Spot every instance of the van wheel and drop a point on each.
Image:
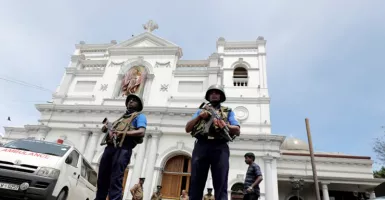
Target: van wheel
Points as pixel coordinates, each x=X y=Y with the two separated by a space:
x=62 y=195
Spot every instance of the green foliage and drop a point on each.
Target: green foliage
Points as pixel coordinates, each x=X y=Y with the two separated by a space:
x=380 y=173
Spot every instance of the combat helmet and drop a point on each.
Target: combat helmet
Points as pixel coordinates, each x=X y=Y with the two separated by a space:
x=139 y=100
x=217 y=88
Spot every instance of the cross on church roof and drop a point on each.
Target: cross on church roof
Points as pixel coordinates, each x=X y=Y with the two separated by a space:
x=150 y=26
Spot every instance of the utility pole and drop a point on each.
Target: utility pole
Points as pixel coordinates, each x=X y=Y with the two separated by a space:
x=318 y=196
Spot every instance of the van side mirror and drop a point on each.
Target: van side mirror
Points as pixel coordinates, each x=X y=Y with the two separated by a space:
x=69 y=159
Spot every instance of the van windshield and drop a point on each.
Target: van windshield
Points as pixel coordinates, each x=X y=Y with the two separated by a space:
x=39 y=146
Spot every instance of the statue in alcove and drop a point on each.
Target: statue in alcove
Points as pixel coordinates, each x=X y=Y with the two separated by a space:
x=133 y=81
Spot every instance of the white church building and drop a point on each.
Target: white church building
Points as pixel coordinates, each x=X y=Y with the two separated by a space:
x=172 y=89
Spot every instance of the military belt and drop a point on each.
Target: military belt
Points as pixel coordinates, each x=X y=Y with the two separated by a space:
x=209 y=138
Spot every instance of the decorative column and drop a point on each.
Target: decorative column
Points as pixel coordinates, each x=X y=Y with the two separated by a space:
x=372 y=195
x=147 y=89
x=129 y=178
x=101 y=136
x=83 y=140
x=268 y=178
x=138 y=165
x=100 y=148
x=151 y=164
x=229 y=193
x=325 y=191
x=262 y=60
x=91 y=146
x=159 y=170
x=67 y=78
x=213 y=69
x=264 y=71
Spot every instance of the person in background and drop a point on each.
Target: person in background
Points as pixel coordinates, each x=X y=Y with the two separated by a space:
x=184 y=195
x=157 y=195
x=209 y=195
x=137 y=190
x=253 y=178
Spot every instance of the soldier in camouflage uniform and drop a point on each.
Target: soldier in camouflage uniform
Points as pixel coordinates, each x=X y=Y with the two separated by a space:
x=130 y=129
x=211 y=149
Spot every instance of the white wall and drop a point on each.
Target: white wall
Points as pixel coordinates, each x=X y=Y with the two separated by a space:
x=326 y=167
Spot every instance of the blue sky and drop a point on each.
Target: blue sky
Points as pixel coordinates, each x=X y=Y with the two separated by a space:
x=324 y=58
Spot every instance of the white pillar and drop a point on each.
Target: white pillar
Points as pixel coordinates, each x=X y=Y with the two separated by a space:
x=146 y=92
x=372 y=195
x=83 y=141
x=275 y=179
x=260 y=81
x=150 y=165
x=264 y=71
x=99 y=149
x=268 y=178
x=98 y=146
x=129 y=177
x=159 y=170
x=91 y=146
x=229 y=194
x=138 y=165
x=213 y=69
x=64 y=86
x=325 y=191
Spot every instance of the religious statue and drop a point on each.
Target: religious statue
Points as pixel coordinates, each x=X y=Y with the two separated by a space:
x=132 y=81
x=150 y=26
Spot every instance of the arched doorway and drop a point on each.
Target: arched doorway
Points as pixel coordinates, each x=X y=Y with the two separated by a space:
x=294 y=197
x=176 y=176
x=237 y=191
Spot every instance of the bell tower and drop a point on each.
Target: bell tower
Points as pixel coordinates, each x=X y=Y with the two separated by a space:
x=245 y=82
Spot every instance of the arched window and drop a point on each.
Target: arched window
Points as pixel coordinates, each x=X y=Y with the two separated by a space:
x=240 y=76
x=176 y=176
x=237 y=191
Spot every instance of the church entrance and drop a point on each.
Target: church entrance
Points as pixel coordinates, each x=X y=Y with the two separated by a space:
x=176 y=177
x=237 y=191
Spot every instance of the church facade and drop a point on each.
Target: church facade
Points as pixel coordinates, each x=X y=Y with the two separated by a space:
x=99 y=76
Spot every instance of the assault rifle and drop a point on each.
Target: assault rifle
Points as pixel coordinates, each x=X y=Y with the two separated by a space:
x=225 y=132
x=107 y=128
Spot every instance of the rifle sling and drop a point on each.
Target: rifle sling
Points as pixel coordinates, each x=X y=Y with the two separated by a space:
x=129 y=121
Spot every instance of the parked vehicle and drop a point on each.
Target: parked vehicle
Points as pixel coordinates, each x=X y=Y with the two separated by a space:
x=35 y=169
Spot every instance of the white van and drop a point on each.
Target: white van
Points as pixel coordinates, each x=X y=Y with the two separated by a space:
x=35 y=169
